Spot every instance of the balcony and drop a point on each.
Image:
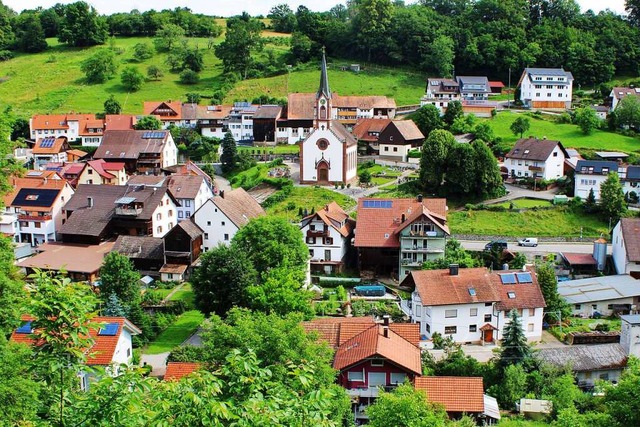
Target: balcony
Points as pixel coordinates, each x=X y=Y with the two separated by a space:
x=536 y=168
x=423 y=233
x=433 y=248
x=34 y=217
x=127 y=211
x=408 y=262
x=317 y=233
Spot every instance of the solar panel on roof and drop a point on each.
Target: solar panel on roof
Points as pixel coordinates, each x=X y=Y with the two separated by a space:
x=47 y=142
x=24 y=329
x=508 y=279
x=524 y=277
x=110 y=329
x=380 y=204
x=146 y=135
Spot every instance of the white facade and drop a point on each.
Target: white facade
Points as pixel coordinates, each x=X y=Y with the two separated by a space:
x=9 y=225
x=217 y=227
x=93 y=140
x=189 y=206
x=72 y=132
x=40 y=160
x=314 y=158
x=585 y=182
x=292 y=135
x=531 y=319
x=630 y=334
x=164 y=216
x=123 y=353
x=551 y=168
x=398 y=152
x=170 y=152
x=325 y=243
x=620 y=260
x=540 y=86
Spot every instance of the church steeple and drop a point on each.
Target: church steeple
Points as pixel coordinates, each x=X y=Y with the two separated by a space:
x=324 y=79
x=322 y=119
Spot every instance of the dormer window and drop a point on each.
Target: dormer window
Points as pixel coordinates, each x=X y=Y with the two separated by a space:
x=526 y=151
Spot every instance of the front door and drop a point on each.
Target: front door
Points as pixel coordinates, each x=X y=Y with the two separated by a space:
x=488 y=335
x=323 y=174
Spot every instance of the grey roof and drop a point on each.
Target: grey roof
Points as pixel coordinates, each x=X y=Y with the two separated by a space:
x=634 y=319
x=611 y=155
x=151 y=180
x=584 y=358
x=189 y=111
x=129 y=144
x=592 y=167
x=140 y=247
x=556 y=72
x=268 y=112
x=602 y=288
x=572 y=152
x=478 y=83
x=324 y=79
x=633 y=172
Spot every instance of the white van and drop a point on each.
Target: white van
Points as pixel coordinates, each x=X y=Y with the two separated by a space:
x=529 y=241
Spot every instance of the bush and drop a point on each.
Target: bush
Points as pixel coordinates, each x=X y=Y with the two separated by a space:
x=5 y=55
x=189 y=77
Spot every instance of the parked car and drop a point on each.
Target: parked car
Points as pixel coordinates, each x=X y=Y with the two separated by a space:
x=529 y=241
x=496 y=244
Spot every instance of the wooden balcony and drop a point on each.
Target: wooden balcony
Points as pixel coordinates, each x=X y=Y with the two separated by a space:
x=317 y=233
x=35 y=217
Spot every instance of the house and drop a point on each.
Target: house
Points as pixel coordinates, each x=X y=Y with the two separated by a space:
x=328 y=235
x=145 y=252
x=471 y=305
x=112 y=344
x=589 y=363
x=81 y=263
x=460 y=396
x=367 y=131
x=631 y=180
x=619 y=93
x=97 y=212
x=221 y=217
x=50 y=149
x=101 y=172
x=191 y=191
x=141 y=151
x=370 y=356
x=213 y=120
x=168 y=112
x=182 y=247
x=441 y=91
x=398 y=138
x=473 y=88
x=538 y=158
x=329 y=154
x=68 y=125
x=590 y=174
x=265 y=123
x=604 y=295
x=37 y=206
x=177 y=370
x=471 y=91
x=396 y=236
x=546 y=88
x=625 y=240
x=240 y=121
x=91 y=132
x=630 y=334
x=602 y=111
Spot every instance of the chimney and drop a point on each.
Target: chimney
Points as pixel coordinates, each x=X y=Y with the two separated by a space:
x=505 y=266
x=419 y=198
x=385 y=320
x=453 y=269
x=90 y=202
x=222 y=193
x=326 y=208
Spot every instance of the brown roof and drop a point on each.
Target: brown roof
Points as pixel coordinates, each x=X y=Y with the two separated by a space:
x=120 y=121
x=190 y=227
x=174 y=268
x=72 y=258
x=534 y=149
x=189 y=111
x=334 y=216
x=621 y=92
x=152 y=109
x=301 y=106
x=337 y=330
x=77 y=153
x=438 y=287
x=140 y=247
x=342 y=133
x=364 y=127
x=579 y=259
x=177 y=370
x=239 y=206
x=630 y=228
x=213 y=112
x=520 y=295
x=185 y=186
x=59 y=145
x=380 y=226
x=268 y=112
x=408 y=130
x=151 y=180
x=456 y=394
x=372 y=342
x=585 y=358
x=128 y=144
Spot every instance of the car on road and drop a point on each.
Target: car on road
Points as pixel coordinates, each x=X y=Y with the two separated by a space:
x=496 y=244
x=529 y=241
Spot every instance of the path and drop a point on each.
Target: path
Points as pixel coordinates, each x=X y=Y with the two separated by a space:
x=514 y=192
x=173 y=291
x=221 y=183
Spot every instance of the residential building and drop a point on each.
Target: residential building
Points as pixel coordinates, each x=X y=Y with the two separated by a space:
x=538 y=158
x=98 y=172
x=601 y=295
x=396 y=236
x=367 y=131
x=330 y=153
x=191 y=191
x=91 y=132
x=546 y=88
x=471 y=305
x=590 y=363
x=112 y=344
x=168 y=112
x=182 y=247
x=630 y=334
x=473 y=88
x=328 y=233
x=71 y=126
x=97 y=212
x=471 y=91
x=590 y=174
x=387 y=354
x=81 y=263
x=37 y=206
x=441 y=91
x=240 y=121
x=145 y=252
x=619 y=93
x=398 y=138
x=213 y=120
x=50 y=150
x=141 y=151
x=461 y=396
x=222 y=216
x=625 y=240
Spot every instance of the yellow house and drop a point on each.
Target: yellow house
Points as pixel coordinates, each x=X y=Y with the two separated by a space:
x=101 y=172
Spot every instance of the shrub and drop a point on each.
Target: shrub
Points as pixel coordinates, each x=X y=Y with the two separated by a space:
x=189 y=77
x=5 y=55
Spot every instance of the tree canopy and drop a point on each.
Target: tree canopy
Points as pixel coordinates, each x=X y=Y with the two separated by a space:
x=82 y=26
x=241 y=40
x=612 y=203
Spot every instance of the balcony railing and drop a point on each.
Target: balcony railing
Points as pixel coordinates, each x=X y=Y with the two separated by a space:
x=536 y=168
x=128 y=211
x=34 y=217
x=408 y=262
x=317 y=233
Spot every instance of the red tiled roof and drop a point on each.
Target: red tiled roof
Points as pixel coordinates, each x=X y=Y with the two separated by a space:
x=379 y=226
x=85 y=125
x=57 y=147
x=120 y=121
x=456 y=394
x=177 y=370
x=301 y=106
x=438 y=287
x=496 y=84
x=58 y=121
x=526 y=295
x=332 y=215
x=101 y=167
x=150 y=108
x=364 y=126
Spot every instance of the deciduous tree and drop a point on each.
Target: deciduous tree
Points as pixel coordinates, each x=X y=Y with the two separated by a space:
x=29 y=33
x=148 y=123
x=281 y=292
x=587 y=119
x=441 y=56
x=112 y=106
x=82 y=26
x=167 y=37
x=549 y=287
x=282 y=18
x=100 y=66
x=142 y=51
x=433 y=164
x=118 y=277
x=612 y=204
x=428 y=119
x=242 y=39
x=454 y=110
x=154 y=72
x=520 y=126
x=628 y=112
x=132 y=79
x=405 y=406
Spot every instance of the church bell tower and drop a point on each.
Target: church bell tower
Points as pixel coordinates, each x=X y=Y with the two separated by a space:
x=322 y=118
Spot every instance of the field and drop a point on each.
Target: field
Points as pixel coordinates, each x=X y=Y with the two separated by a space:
x=570 y=135
x=249 y=178
x=308 y=198
x=277 y=149
x=524 y=204
x=560 y=222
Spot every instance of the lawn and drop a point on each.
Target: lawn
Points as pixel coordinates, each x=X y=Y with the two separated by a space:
x=308 y=198
x=185 y=293
x=184 y=326
x=404 y=86
x=251 y=177
x=577 y=324
x=380 y=174
x=277 y=149
x=525 y=203
x=559 y=222
x=570 y=135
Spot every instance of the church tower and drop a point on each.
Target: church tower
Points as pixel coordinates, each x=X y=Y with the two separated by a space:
x=322 y=119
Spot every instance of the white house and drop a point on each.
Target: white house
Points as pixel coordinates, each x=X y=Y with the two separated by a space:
x=222 y=216
x=71 y=126
x=240 y=121
x=440 y=92
x=625 y=240
x=590 y=174
x=539 y=158
x=630 y=334
x=328 y=234
x=192 y=191
x=101 y=172
x=605 y=295
x=619 y=93
x=546 y=88
x=471 y=304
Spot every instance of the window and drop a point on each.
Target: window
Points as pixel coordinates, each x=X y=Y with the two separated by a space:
x=223 y=223
x=170 y=213
x=356 y=376
x=555 y=154
x=549 y=86
x=398 y=378
x=538 y=86
x=170 y=276
x=311 y=240
x=226 y=237
x=451 y=313
x=395 y=149
x=187 y=203
x=428 y=328
x=377 y=362
x=187 y=214
x=532 y=312
x=312 y=227
x=206 y=235
x=386 y=148
x=159 y=216
x=448 y=330
x=328 y=240
x=604 y=377
x=511 y=295
x=90 y=171
x=473 y=312
x=159 y=229
x=473 y=328
x=128 y=352
x=530 y=327
x=311 y=253
x=548 y=94
x=327 y=255
x=488 y=304
x=594 y=306
x=578 y=306
x=538 y=94
x=208 y=222
x=487 y=318
x=180 y=214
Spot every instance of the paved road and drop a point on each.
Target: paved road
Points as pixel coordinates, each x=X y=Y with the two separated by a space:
x=541 y=249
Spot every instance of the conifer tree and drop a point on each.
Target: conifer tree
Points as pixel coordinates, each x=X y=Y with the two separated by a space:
x=515 y=348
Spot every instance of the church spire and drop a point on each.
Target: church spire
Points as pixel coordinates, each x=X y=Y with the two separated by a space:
x=324 y=79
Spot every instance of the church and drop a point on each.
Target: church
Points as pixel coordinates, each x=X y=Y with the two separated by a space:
x=329 y=154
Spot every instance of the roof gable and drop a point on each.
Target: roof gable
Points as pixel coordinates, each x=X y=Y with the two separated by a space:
x=239 y=206
x=535 y=149
x=630 y=228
